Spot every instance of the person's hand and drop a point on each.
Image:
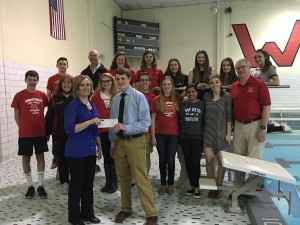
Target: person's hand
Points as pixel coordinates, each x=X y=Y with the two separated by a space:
x=228 y=138
x=95 y=121
x=99 y=152
x=202 y=86
x=119 y=126
x=261 y=135
x=153 y=141
x=112 y=153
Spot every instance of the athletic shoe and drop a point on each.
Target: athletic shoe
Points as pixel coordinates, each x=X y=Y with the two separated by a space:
x=275 y=123
x=65 y=188
x=30 y=192
x=42 y=192
x=197 y=193
x=191 y=191
x=53 y=164
x=286 y=128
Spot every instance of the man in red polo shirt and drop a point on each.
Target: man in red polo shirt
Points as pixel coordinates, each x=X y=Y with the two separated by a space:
x=251 y=104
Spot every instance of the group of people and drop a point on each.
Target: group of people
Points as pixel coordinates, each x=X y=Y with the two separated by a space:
x=152 y=108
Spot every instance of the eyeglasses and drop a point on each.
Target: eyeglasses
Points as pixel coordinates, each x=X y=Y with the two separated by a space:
x=105 y=81
x=241 y=67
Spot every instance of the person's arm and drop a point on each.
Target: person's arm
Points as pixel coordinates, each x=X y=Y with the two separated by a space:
x=153 y=119
x=98 y=143
x=274 y=81
x=17 y=116
x=228 y=132
x=264 y=120
x=71 y=126
x=48 y=94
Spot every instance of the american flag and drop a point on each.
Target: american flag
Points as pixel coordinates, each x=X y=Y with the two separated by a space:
x=57 y=22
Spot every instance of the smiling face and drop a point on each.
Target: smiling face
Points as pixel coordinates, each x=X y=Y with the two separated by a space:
x=94 y=57
x=201 y=58
x=31 y=82
x=106 y=82
x=120 y=61
x=259 y=59
x=144 y=83
x=85 y=88
x=167 y=87
x=66 y=85
x=148 y=59
x=242 y=70
x=191 y=94
x=226 y=67
x=62 y=66
x=215 y=84
x=122 y=82
x=174 y=66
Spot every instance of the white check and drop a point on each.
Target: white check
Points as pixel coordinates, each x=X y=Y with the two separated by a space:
x=106 y=123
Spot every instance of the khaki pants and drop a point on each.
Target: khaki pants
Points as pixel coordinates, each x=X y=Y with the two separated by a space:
x=130 y=158
x=245 y=143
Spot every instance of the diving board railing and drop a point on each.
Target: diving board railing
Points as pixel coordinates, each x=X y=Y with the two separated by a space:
x=260 y=168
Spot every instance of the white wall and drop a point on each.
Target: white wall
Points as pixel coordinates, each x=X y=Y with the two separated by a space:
x=25 y=43
x=185 y=30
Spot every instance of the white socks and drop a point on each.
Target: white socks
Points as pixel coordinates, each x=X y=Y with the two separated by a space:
x=41 y=178
x=29 y=179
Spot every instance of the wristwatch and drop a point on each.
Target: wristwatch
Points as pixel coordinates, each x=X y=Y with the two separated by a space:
x=263 y=127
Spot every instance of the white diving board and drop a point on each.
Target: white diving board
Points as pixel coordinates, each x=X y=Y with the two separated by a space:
x=257 y=167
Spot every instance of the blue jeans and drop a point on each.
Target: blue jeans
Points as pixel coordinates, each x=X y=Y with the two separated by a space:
x=166 y=147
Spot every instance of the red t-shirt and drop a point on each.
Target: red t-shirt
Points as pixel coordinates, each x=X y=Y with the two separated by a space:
x=31 y=106
x=52 y=83
x=132 y=72
x=166 y=122
x=249 y=99
x=156 y=76
x=103 y=111
x=149 y=96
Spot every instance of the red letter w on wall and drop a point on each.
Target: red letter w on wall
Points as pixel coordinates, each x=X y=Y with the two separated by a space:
x=285 y=58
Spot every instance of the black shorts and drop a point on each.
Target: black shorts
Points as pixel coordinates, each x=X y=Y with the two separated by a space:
x=26 y=145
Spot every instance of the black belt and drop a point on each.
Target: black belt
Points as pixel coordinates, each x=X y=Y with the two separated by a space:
x=122 y=136
x=249 y=121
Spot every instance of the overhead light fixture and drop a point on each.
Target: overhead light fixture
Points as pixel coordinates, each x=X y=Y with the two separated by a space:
x=214 y=8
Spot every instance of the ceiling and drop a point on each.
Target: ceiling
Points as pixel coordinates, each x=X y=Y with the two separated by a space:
x=150 y=4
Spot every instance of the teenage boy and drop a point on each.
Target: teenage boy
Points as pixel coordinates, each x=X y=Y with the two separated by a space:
x=62 y=66
x=144 y=80
x=29 y=107
x=128 y=146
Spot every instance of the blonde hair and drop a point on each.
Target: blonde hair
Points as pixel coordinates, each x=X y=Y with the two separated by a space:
x=113 y=90
x=76 y=83
x=161 y=97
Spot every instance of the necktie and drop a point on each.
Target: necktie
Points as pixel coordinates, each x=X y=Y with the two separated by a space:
x=121 y=111
x=121 y=108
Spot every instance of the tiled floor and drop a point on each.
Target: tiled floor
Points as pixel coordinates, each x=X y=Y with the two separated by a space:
x=175 y=209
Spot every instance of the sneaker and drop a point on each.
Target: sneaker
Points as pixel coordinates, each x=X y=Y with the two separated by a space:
x=275 y=123
x=191 y=191
x=286 y=128
x=170 y=190
x=162 y=190
x=65 y=188
x=197 y=193
x=54 y=163
x=42 y=192
x=30 y=192
x=152 y=220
